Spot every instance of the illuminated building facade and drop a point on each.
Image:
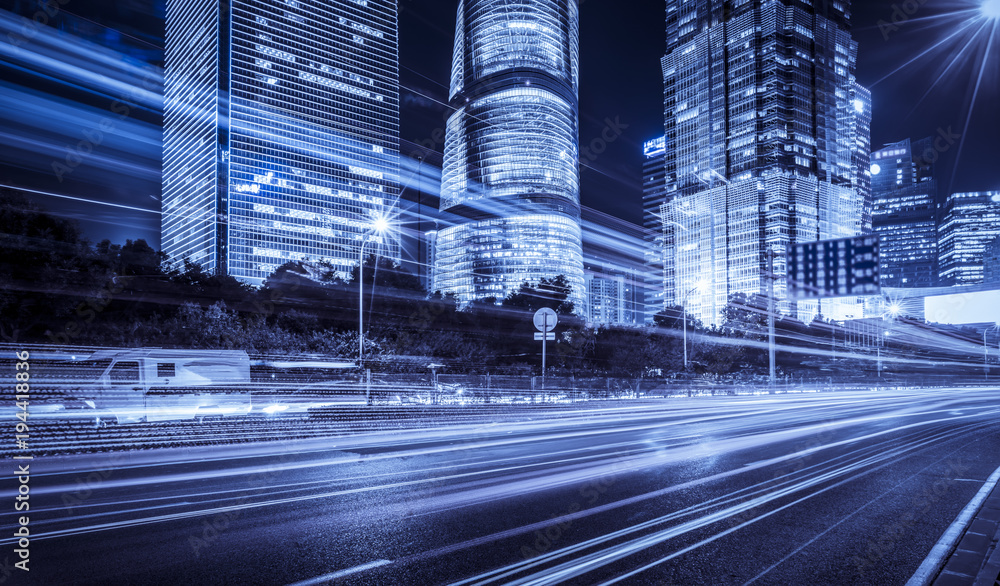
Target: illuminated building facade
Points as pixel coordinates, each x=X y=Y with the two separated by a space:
x=970 y=221
x=510 y=158
x=991 y=262
x=281 y=132
x=611 y=299
x=905 y=214
x=659 y=233
x=770 y=143
x=614 y=267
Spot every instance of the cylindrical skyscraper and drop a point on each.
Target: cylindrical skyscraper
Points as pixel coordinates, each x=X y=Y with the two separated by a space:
x=510 y=157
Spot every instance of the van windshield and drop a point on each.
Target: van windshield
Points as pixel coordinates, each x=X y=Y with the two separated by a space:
x=124 y=372
x=87 y=370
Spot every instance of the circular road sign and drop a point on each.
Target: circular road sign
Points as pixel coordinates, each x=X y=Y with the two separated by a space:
x=545 y=319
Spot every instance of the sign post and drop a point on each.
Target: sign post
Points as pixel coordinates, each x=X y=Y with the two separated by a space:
x=545 y=321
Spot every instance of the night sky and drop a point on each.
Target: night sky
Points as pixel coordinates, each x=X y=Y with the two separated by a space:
x=621 y=82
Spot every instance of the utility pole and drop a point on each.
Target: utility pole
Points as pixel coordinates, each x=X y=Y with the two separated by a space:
x=770 y=313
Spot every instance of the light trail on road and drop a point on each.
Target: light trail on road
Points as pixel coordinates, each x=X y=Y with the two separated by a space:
x=643 y=486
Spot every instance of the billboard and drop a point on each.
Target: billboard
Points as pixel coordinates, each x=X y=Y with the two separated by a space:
x=834 y=268
x=975 y=307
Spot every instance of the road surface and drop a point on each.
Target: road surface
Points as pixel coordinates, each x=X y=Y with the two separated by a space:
x=832 y=488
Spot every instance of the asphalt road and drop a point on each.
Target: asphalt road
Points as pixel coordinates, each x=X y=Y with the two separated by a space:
x=834 y=488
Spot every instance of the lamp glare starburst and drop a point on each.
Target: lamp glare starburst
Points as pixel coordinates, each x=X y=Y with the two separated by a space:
x=990 y=9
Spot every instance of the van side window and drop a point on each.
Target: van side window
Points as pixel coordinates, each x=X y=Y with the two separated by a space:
x=124 y=372
x=165 y=369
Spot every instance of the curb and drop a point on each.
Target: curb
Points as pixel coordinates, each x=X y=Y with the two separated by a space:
x=968 y=548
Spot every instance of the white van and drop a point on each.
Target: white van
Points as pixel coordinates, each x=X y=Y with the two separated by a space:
x=153 y=384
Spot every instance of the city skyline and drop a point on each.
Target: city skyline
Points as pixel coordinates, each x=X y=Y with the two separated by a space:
x=629 y=118
x=501 y=291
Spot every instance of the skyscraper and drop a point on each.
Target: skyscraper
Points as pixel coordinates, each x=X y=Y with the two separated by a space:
x=611 y=299
x=991 y=262
x=659 y=233
x=970 y=222
x=905 y=214
x=281 y=133
x=770 y=136
x=510 y=158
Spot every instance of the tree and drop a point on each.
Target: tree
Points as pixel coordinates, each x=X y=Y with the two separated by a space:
x=552 y=293
x=385 y=272
x=46 y=270
x=672 y=317
x=745 y=316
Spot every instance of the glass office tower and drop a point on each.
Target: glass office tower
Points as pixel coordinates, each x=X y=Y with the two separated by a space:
x=281 y=133
x=969 y=224
x=905 y=213
x=770 y=143
x=659 y=234
x=510 y=158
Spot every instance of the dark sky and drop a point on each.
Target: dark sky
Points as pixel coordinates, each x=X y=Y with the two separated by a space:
x=620 y=81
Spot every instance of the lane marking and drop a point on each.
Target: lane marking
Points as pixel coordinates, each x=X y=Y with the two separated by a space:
x=936 y=559
x=328 y=577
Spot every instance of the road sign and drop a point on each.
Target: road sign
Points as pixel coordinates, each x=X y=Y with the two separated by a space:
x=834 y=268
x=545 y=320
x=549 y=336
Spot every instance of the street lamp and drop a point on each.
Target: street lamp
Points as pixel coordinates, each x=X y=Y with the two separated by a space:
x=378 y=227
x=700 y=287
x=892 y=312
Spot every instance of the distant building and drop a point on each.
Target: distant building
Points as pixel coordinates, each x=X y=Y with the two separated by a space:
x=614 y=269
x=281 y=133
x=905 y=214
x=969 y=222
x=659 y=232
x=612 y=299
x=991 y=262
x=769 y=143
x=419 y=218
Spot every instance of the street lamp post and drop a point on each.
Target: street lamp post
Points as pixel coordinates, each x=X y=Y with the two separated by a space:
x=770 y=316
x=986 y=351
x=378 y=227
x=891 y=313
x=699 y=287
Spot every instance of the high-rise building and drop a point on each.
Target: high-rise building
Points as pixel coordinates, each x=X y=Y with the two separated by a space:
x=770 y=144
x=905 y=214
x=511 y=149
x=969 y=222
x=991 y=262
x=614 y=266
x=659 y=232
x=281 y=135
x=611 y=299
